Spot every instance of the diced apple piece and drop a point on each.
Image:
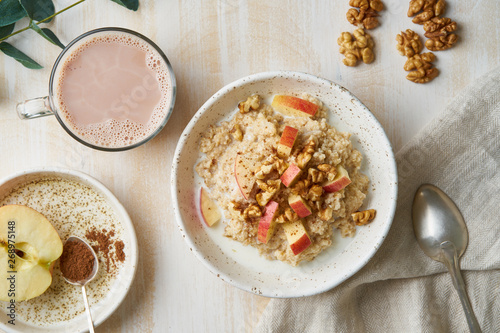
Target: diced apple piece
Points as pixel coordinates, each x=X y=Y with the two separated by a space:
x=30 y=246
x=209 y=210
x=294 y=106
x=244 y=175
x=291 y=175
x=286 y=141
x=340 y=181
x=267 y=223
x=299 y=205
x=297 y=236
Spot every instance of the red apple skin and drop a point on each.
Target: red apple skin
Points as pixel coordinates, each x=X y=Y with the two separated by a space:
x=340 y=181
x=266 y=223
x=243 y=175
x=301 y=244
x=291 y=174
x=287 y=141
x=294 y=106
x=297 y=236
x=299 y=206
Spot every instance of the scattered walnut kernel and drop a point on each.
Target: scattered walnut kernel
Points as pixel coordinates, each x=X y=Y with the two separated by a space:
x=425 y=10
x=441 y=43
x=359 y=48
x=364 y=217
x=269 y=189
x=251 y=212
x=306 y=154
x=236 y=132
x=421 y=67
x=376 y=5
x=409 y=43
x=363 y=18
x=423 y=60
x=252 y=103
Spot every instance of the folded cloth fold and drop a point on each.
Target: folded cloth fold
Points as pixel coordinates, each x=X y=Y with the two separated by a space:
x=401 y=289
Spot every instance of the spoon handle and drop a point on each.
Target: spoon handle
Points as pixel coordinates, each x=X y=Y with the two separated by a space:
x=451 y=261
x=87 y=309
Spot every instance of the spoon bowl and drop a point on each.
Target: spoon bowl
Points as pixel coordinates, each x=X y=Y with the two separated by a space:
x=442 y=234
x=86 y=280
x=436 y=219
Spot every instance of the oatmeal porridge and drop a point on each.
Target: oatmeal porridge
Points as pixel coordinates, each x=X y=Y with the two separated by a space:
x=283 y=177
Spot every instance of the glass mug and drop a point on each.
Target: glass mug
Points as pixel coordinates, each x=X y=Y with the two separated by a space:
x=111 y=89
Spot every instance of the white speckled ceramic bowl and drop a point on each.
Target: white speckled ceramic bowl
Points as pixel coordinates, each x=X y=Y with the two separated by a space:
x=123 y=281
x=241 y=265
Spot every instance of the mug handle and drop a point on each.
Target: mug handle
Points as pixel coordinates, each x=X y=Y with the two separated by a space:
x=34 y=108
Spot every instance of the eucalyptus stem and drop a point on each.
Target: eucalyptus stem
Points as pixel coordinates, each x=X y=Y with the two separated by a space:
x=42 y=21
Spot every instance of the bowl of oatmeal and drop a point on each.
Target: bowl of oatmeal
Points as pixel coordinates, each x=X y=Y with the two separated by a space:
x=284 y=184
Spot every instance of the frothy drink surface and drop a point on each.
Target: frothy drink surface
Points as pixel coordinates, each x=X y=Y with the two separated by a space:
x=112 y=89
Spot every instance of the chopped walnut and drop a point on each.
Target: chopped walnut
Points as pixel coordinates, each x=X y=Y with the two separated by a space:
x=301 y=187
x=363 y=18
x=269 y=189
x=239 y=206
x=364 y=217
x=315 y=193
x=324 y=167
x=272 y=163
x=252 y=103
x=329 y=171
x=425 y=10
x=376 y=5
x=251 y=212
x=421 y=67
x=306 y=154
x=326 y=214
x=409 y=43
x=236 y=132
x=280 y=166
x=263 y=171
x=359 y=48
x=315 y=175
x=288 y=216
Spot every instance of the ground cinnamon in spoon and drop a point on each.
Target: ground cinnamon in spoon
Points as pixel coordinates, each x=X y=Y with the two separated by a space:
x=77 y=261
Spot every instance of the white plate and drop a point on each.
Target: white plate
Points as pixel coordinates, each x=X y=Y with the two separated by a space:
x=120 y=285
x=242 y=266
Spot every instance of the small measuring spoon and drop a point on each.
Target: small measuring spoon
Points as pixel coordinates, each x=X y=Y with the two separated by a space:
x=83 y=282
x=442 y=234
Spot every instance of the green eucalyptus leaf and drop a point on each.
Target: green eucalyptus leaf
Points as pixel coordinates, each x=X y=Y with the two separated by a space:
x=38 y=9
x=7 y=30
x=47 y=34
x=11 y=11
x=11 y=51
x=129 y=4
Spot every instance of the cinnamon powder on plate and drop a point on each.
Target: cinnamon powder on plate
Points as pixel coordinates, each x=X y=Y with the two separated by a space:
x=103 y=242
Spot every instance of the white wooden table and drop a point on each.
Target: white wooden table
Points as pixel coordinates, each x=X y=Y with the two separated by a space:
x=210 y=45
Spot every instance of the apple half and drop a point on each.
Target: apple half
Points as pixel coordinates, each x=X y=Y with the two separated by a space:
x=291 y=175
x=29 y=248
x=287 y=141
x=297 y=236
x=299 y=205
x=267 y=223
x=209 y=210
x=340 y=181
x=244 y=175
x=294 y=106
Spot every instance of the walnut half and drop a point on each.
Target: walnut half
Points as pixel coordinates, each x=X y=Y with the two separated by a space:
x=359 y=47
x=421 y=68
x=409 y=43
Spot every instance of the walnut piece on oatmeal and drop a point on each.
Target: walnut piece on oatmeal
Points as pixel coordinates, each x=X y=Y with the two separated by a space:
x=364 y=217
x=251 y=103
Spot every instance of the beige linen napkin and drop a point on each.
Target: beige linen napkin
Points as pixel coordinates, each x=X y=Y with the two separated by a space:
x=401 y=289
